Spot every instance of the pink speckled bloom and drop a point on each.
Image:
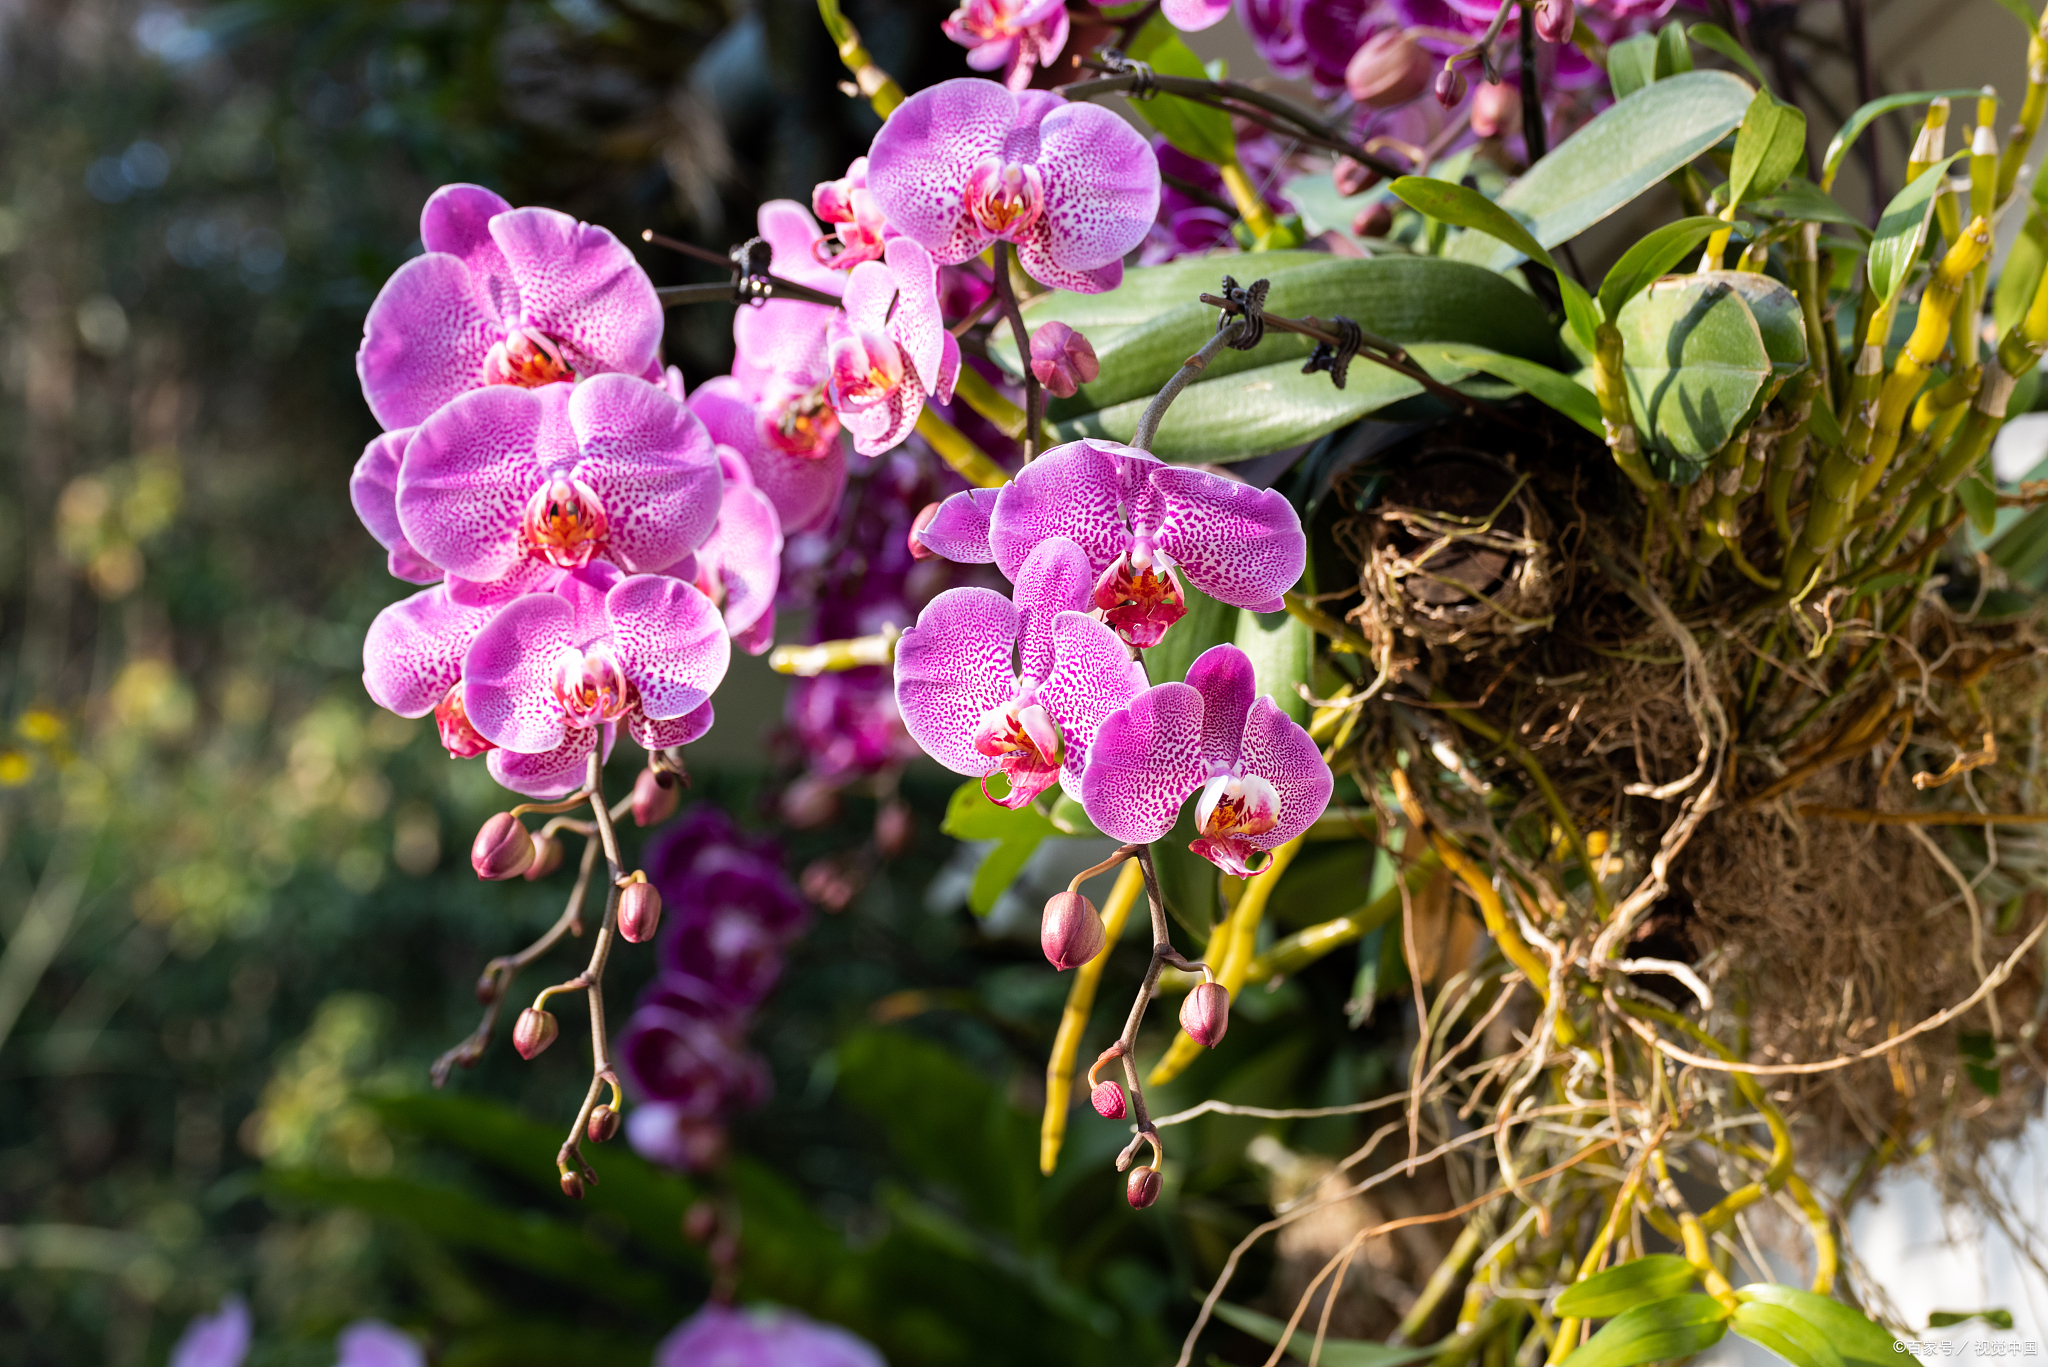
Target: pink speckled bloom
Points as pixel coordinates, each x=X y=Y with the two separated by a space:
x=1194 y=15
x=503 y=486
x=1139 y=520
x=965 y=163
x=503 y=296
x=553 y=670
x=720 y=1336
x=889 y=348
x=1015 y=37
x=1262 y=780
x=373 y=489
x=740 y=563
x=856 y=219
x=978 y=712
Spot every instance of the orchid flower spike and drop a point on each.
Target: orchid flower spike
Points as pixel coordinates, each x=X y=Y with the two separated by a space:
x=1262 y=779
x=1141 y=523
x=966 y=163
x=553 y=672
x=1016 y=37
x=890 y=348
x=503 y=296
x=980 y=713
x=740 y=563
x=506 y=487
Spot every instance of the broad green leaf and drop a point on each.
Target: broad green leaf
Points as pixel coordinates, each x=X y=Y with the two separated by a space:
x=1539 y=382
x=1017 y=831
x=1839 y=145
x=1625 y=1285
x=1674 y=58
x=1651 y=257
x=1196 y=129
x=1978 y=1049
x=1785 y=1333
x=1800 y=198
x=1282 y=651
x=1902 y=229
x=1465 y=208
x=1997 y=1319
x=1578 y=310
x=1770 y=147
x=1776 y=310
x=1208 y=623
x=1070 y=818
x=1336 y=1352
x=2020 y=277
x=1857 y=1341
x=1632 y=64
x=1714 y=38
x=1695 y=362
x=1628 y=148
x=1673 y=1328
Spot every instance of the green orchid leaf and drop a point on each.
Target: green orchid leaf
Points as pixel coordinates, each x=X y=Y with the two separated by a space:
x=1769 y=148
x=1579 y=311
x=1800 y=198
x=1857 y=1341
x=1839 y=145
x=1980 y=501
x=1539 y=382
x=1639 y=1281
x=2018 y=9
x=1674 y=1328
x=1696 y=364
x=2021 y=274
x=1674 y=58
x=1282 y=651
x=1652 y=257
x=1465 y=208
x=1902 y=229
x=1824 y=426
x=1785 y=1333
x=1997 y=1319
x=1632 y=64
x=1017 y=831
x=1714 y=38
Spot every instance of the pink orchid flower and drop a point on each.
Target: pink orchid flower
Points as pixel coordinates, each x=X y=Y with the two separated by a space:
x=740 y=563
x=856 y=219
x=1192 y=16
x=889 y=348
x=1014 y=36
x=1141 y=523
x=1034 y=720
x=1262 y=779
x=965 y=163
x=373 y=489
x=503 y=296
x=503 y=486
x=553 y=671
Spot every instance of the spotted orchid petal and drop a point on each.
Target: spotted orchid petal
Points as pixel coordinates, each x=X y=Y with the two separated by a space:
x=551 y=773
x=952 y=669
x=742 y=558
x=532 y=576
x=1144 y=762
x=1224 y=677
x=1055 y=579
x=509 y=675
x=414 y=651
x=1240 y=545
x=884 y=426
x=959 y=531
x=373 y=489
x=1092 y=675
x=804 y=489
x=1192 y=16
x=669 y=640
x=783 y=336
x=791 y=232
x=1279 y=751
x=457 y=221
x=649 y=458
x=580 y=285
x=424 y=340
x=1076 y=491
x=919 y=163
x=665 y=735
x=917 y=325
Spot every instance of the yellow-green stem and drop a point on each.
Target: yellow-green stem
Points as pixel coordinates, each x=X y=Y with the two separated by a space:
x=1066 y=1044
x=959 y=451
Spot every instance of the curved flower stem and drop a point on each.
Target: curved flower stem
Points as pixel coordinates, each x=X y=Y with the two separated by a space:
x=592 y=981
x=1034 y=393
x=1190 y=370
x=1126 y=1045
x=1066 y=1046
x=1535 y=132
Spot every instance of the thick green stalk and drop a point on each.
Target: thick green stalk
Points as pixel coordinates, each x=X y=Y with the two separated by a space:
x=1983 y=204
x=1804 y=257
x=2036 y=99
x=1610 y=387
x=1790 y=453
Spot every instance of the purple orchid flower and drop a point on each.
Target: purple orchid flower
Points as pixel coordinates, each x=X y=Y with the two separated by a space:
x=504 y=486
x=889 y=348
x=1014 y=36
x=217 y=1340
x=1276 y=35
x=1192 y=16
x=965 y=163
x=975 y=712
x=1262 y=779
x=503 y=296
x=695 y=1065
x=552 y=672
x=1188 y=226
x=857 y=221
x=740 y=563
x=663 y=1133
x=373 y=489
x=373 y=1343
x=1139 y=520
x=720 y=1336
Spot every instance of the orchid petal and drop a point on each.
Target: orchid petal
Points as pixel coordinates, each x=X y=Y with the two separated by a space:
x=652 y=463
x=1240 y=545
x=758 y=637
x=917 y=325
x=466 y=478
x=508 y=677
x=1053 y=579
x=670 y=641
x=1035 y=253
x=870 y=287
x=1071 y=491
x=457 y=220
x=790 y=233
x=885 y=426
x=414 y=651
x=530 y=576
x=424 y=340
x=949 y=367
x=549 y=774
x=804 y=489
x=1223 y=676
x=1101 y=186
x=952 y=669
x=1279 y=751
x=1092 y=676
x=744 y=551
x=919 y=163
x=655 y=735
x=373 y=489
x=959 y=531
x=581 y=286
x=784 y=337
x=1192 y=16
x=1145 y=760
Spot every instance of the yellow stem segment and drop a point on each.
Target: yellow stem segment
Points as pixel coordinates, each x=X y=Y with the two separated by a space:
x=958 y=450
x=983 y=397
x=877 y=85
x=1066 y=1045
x=833 y=657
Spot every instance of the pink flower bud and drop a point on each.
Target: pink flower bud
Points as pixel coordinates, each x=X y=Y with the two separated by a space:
x=1353 y=177
x=535 y=1031
x=1389 y=70
x=918 y=550
x=895 y=828
x=1108 y=1099
x=654 y=798
x=547 y=857
x=502 y=849
x=700 y=1222
x=1450 y=87
x=810 y=801
x=639 y=912
x=1205 y=1015
x=1071 y=932
x=572 y=1185
x=831 y=883
x=1555 y=20
x=1497 y=111
x=1062 y=359
x=1143 y=1187
x=604 y=1124
x=1374 y=220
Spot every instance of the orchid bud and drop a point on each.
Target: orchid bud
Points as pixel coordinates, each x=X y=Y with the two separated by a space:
x=654 y=798
x=895 y=828
x=639 y=910
x=700 y=1222
x=1497 y=111
x=572 y=1185
x=1205 y=1015
x=1556 y=20
x=1389 y=70
x=1143 y=1187
x=1374 y=220
x=1071 y=932
x=604 y=1124
x=547 y=857
x=1353 y=177
x=502 y=849
x=535 y=1031
x=1062 y=359
x=831 y=883
x=810 y=801
x=918 y=550
x=1108 y=1099
x=1450 y=87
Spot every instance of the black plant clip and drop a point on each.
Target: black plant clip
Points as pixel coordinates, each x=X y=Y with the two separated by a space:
x=1336 y=359
x=1114 y=61
x=750 y=280
x=1250 y=305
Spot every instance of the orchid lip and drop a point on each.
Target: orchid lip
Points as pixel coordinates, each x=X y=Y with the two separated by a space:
x=527 y=358
x=804 y=426
x=591 y=686
x=1005 y=198
x=461 y=739
x=565 y=522
x=1025 y=740
x=1237 y=806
